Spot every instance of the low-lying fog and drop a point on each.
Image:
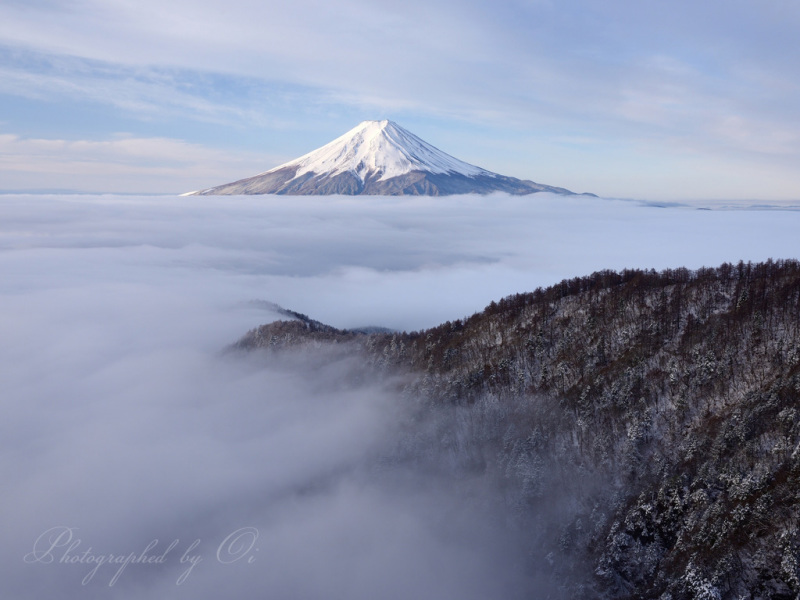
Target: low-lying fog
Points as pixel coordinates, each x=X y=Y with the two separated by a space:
x=128 y=435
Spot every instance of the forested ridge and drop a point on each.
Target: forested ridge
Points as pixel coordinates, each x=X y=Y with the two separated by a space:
x=645 y=426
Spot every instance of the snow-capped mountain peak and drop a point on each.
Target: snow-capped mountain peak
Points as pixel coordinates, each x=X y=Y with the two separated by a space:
x=378 y=158
x=380 y=148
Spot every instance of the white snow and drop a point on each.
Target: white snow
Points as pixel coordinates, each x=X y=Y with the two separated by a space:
x=380 y=147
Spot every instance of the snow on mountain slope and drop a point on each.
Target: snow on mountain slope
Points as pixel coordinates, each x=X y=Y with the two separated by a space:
x=380 y=147
x=378 y=158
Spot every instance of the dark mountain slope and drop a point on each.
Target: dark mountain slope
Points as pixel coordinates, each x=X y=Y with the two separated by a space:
x=654 y=417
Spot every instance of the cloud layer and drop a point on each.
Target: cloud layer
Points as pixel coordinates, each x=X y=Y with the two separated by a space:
x=125 y=423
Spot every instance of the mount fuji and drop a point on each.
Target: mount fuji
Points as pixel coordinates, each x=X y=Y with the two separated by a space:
x=378 y=158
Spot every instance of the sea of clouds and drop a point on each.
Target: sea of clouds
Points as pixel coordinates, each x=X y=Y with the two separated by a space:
x=140 y=460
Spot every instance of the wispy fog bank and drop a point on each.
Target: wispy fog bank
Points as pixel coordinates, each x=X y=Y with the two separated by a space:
x=405 y=263
x=124 y=423
x=122 y=427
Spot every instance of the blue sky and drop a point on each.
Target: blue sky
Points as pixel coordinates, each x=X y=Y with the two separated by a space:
x=647 y=99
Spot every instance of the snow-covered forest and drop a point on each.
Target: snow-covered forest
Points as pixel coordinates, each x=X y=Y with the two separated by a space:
x=652 y=417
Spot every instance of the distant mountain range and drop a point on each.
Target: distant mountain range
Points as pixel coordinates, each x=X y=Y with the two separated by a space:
x=378 y=158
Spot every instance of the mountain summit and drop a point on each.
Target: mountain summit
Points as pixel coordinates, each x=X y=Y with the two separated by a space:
x=378 y=158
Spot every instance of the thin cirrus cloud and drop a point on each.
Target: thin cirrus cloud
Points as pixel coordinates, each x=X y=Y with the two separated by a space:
x=653 y=82
x=97 y=166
